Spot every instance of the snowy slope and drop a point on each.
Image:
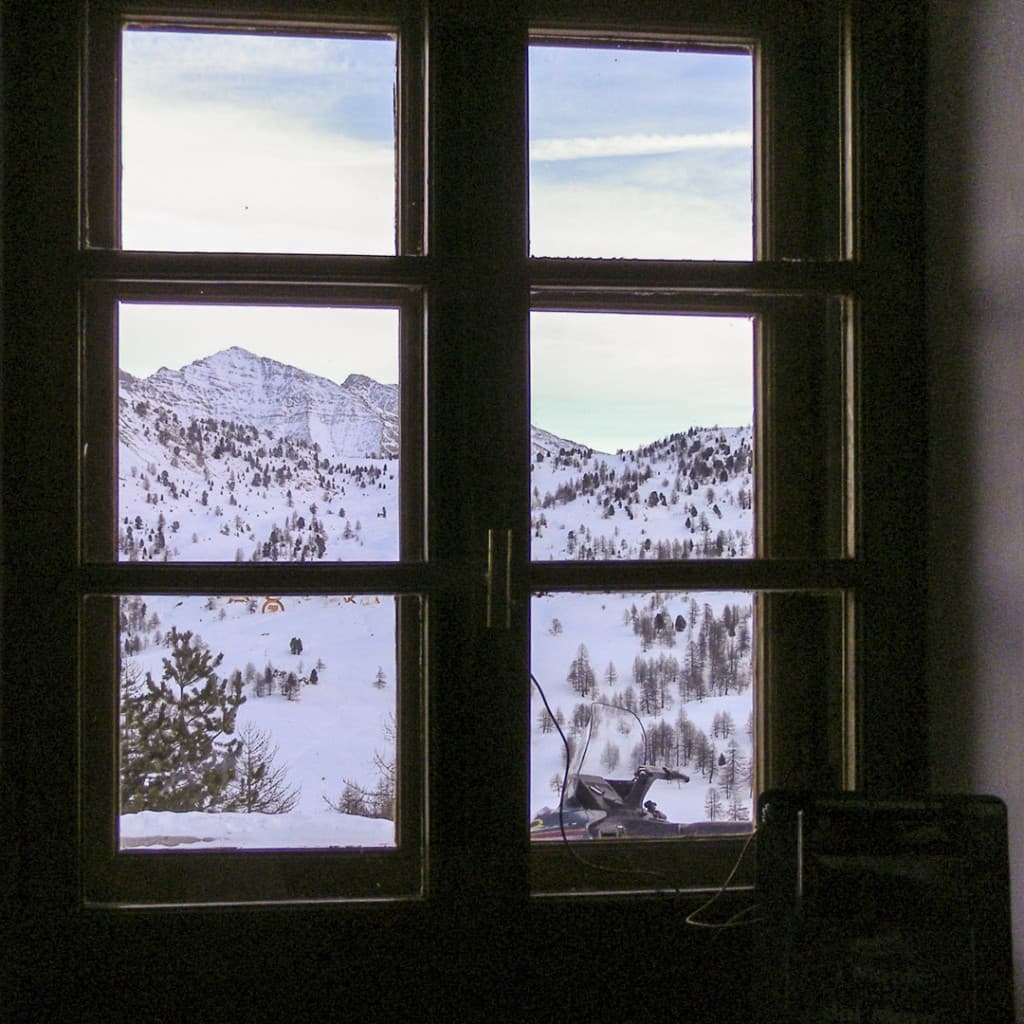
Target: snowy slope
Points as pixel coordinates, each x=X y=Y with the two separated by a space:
x=239 y=458
x=253 y=635
x=686 y=496
x=356 y=418
x=606 y=626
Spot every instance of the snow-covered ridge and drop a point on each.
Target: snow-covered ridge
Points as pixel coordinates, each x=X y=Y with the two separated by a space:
x=236 y=457
x=358 y=418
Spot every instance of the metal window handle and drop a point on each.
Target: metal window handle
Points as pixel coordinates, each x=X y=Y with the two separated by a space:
x=503 y=590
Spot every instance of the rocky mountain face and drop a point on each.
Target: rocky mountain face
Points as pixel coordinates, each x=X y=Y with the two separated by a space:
x=358 y=418
x=236 y=457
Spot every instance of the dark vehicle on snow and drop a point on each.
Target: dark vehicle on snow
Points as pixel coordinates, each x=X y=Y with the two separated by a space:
x=598 y=808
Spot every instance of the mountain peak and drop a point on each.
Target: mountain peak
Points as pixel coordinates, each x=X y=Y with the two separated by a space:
x=236 y=356
x=240 y=386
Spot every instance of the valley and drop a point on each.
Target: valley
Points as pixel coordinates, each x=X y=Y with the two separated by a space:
x=238 y=458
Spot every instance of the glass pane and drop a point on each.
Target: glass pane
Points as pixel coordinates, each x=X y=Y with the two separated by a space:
x=652 y=697
x=640 y=153
x=275 y=437
x=257 y=722
x=642 y=440
x=257 y=143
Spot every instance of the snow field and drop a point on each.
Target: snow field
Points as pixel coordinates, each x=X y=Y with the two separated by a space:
x=598 y=622
x=328 y=735
x=236 y=460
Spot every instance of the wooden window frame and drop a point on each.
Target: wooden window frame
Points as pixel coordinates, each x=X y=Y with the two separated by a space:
x=111 y=274
x=865 y=234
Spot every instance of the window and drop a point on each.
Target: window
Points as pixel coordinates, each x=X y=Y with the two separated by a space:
x=672 y=489
x=253 y=470
x=490 y=323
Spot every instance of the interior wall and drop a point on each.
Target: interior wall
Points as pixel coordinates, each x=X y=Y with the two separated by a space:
x=975 y=214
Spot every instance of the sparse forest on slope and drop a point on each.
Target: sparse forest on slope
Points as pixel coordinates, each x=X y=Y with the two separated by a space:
x=243 y=459
x=688 y=495
x=314 y=476
x=239 y=458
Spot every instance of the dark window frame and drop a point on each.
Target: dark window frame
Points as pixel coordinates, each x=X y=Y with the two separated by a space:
x=475 y=283
x=111 y=274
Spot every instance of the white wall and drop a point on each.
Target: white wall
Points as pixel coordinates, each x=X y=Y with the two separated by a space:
x=975 y=216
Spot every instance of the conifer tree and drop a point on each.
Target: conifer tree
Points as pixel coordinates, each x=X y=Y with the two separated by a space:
x=581 y=675
x=174 y=752
x=610 y=756
x=738 y=810
x=259 y=786
x=712 y=804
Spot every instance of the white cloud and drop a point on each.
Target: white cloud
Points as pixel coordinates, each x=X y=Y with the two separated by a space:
x=160 y=60
x=626 y=222
x=210 y=176
x=635 y=145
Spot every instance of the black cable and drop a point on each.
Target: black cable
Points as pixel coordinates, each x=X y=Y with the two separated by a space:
x=561 y=812
x=568 y=754
x=691 y=919
x=639 y=721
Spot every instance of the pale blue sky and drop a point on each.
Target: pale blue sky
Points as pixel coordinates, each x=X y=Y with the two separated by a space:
x=642 y=153
x=272 y=143
x=328 y=341
x=256 y=143
x=623 y=380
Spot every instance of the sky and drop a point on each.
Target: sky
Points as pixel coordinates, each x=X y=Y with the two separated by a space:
x=255 y=143
x=640 y=153
x=624 y=380
x=324 y=340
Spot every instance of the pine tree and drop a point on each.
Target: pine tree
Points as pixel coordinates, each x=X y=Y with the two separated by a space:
x=351 y=801
x=738 y=810
x=174 y=754
x=132 y=719
x=581 y=718
x=581 y=675
x=259 y=786
x=610 y=756
x=378 y=802
x=291 y=686
x=265 y=681
x=713 y=804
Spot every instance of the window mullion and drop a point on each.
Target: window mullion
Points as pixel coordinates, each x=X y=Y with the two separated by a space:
x=477 y=439
x=799 y=177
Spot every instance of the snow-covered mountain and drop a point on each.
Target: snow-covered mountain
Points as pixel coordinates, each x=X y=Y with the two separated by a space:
x=357 y=418
x=240 y=458
x=237 y=457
